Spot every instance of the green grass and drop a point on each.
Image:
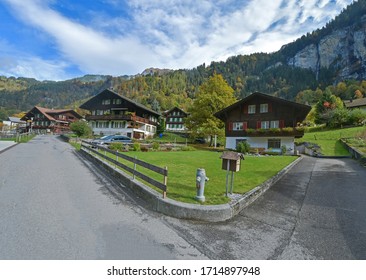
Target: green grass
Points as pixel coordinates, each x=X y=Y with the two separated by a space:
x=182 y=167
x=169 y=137
x=328 y=140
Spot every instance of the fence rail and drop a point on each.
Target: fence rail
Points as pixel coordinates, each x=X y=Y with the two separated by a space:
x=163 y=171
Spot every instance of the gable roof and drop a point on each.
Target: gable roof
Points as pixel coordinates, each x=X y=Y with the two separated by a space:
x=355 y=103
x=85 y=105
x=173 y=109
x=221 y=114
x=49 y=112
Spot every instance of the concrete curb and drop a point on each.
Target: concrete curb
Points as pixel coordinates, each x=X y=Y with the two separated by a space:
x=8 y=147
x=173 y=208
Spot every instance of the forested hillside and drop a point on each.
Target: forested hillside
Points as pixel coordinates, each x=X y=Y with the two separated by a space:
x=282 y=73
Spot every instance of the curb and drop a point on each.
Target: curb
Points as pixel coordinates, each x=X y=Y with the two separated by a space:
x=182 y=210
x=8 y=148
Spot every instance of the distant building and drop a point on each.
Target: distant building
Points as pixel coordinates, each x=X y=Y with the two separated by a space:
x=355 y=103
x=264 y=121
x=175 y=119
x=14 y=123
x=111 y=113
x=44 y=120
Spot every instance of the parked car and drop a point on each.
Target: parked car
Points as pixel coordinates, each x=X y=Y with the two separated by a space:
x=108 y=139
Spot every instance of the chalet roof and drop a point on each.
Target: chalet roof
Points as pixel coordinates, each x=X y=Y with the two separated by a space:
x=221 y=114
x=85 y=105
x=16 y=120
x=175 y=109
x=355 y=103
x=49 y=112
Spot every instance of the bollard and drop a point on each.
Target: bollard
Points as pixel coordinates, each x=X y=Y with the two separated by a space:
x=200 y=184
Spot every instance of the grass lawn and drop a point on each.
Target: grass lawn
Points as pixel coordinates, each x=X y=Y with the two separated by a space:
x=328 y=140
x=182 y=167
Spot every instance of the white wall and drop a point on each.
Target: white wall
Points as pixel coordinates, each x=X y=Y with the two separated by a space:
x=260 y=142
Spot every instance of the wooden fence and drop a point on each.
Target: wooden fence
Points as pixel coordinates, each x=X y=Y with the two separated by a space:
x=136 y=162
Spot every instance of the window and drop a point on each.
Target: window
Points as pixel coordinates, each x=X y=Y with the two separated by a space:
x=274 y=143
x=106 y=101
x=265 y=124
x=275 y=124
x=237 y=126
x=117 y=101
x=264 y=108
x=251 y=109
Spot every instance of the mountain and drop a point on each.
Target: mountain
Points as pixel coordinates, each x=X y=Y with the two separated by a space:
x=324 y=57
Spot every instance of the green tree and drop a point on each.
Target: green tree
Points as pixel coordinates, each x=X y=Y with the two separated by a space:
x=81 y=128
x=213 y=95
x=324 y=107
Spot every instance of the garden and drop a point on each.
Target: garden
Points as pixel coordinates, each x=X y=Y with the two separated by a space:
x=182 y=167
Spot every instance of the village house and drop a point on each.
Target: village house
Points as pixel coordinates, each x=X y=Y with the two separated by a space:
x=44 y=120
x=359 y=103
x=111 y=113
x=174 y=119
x=264 y=121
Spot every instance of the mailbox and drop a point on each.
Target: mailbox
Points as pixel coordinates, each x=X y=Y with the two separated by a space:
x=231 y=161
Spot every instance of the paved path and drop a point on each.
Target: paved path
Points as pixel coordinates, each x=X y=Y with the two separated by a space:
x=316 y=211
x=53 y=207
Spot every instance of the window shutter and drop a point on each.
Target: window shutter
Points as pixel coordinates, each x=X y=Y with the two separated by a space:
x=245 y=109
x=270 y=107
x=230 y=126
x=258 y=124
x=245 y=125
x=282 y=123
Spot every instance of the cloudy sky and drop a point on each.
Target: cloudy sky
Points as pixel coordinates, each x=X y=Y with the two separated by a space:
x=62 y=39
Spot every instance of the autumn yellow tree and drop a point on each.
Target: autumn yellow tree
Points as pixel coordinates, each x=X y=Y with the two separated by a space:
x=213 y=95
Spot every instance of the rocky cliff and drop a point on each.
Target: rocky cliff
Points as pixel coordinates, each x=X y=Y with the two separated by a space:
x=343 y=51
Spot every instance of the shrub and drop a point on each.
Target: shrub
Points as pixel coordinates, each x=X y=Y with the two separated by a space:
x=287 y=129
x=144 y=149
x=243 y=147
x=275 y=130
x=188 y=148
x=81 y=128
x=283 y=149
x=136 y=147
x=156 y=146
x=116 y=146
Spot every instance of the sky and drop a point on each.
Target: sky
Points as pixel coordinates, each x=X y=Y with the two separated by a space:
x=63 y=39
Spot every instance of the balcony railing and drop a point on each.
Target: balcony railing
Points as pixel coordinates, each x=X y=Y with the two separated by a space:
x=296 y=132
x=119 y=118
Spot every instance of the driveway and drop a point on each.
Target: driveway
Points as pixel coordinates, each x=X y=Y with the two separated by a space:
x=316 y=211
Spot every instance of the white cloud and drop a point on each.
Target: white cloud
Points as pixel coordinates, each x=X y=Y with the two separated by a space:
x=174 y=33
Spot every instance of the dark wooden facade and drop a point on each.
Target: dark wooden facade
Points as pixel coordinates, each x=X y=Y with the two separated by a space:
x=263 y=116
x=174 y=119
x=44 y=120
x=111 y=113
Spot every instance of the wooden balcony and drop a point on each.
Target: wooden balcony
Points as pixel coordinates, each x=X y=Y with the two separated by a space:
x=119 y=118
x=283 y=132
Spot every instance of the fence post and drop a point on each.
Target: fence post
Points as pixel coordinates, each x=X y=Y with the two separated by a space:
x=165 y=181
x=134 y=168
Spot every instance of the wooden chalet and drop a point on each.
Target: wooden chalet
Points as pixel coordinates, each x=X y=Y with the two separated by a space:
x=44 y=120
x=174 y=119
x=264 y=121
x=111 y=113
x=355 y=103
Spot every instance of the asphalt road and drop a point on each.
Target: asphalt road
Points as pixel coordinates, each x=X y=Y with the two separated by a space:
x=54 y=206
